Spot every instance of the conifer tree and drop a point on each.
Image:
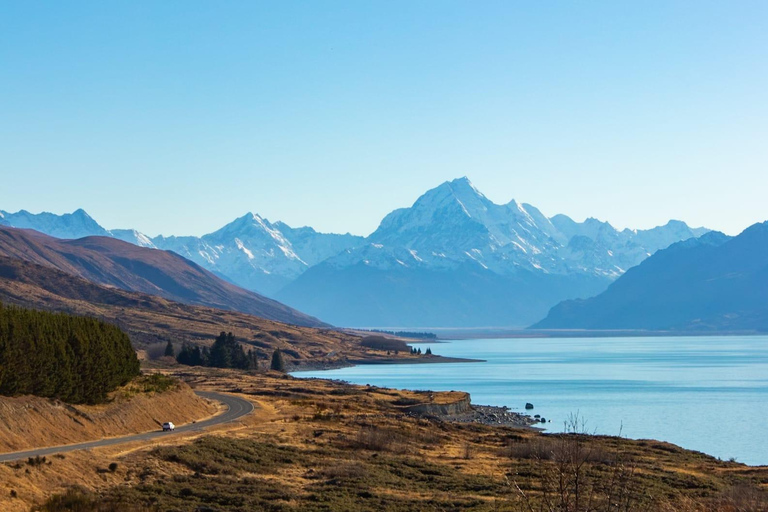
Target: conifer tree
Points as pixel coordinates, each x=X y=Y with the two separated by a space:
x=75 y=359
x=169 y=349
x=277 y=361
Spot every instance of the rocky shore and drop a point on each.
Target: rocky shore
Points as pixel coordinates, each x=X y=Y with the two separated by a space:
x=492 y=415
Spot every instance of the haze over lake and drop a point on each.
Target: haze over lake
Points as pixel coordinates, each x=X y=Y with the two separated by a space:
x=702 y=393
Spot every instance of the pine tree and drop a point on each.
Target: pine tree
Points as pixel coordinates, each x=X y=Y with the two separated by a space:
x=221 y=354
x=277 y=361
x=169 y=352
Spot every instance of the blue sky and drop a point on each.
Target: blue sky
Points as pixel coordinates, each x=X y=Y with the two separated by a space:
x=177 y=117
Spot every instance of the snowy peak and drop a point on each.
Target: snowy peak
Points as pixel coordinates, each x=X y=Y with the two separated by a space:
x=134 y=237
x=77 y=224
x=454 y=223
x=258 y=254
x=459 y=191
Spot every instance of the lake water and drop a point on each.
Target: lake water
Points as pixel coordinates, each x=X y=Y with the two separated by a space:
x=703 y=393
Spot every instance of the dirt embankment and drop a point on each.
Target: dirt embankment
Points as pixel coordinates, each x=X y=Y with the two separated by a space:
x=29 y=422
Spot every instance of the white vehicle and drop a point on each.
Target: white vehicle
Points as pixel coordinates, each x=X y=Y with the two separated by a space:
x=168 y=426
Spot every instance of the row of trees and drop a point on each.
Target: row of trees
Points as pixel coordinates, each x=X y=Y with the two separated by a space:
x=225 y=352
x=409 y=334
x=55 y=355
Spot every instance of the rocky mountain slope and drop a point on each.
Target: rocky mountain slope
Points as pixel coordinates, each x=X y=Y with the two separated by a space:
x=114 y=263
x=711 y=283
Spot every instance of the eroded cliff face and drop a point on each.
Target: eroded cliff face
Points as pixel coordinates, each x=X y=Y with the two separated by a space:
x=460 y=405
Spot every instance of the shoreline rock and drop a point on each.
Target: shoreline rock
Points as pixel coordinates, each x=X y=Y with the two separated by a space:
x=492 y=415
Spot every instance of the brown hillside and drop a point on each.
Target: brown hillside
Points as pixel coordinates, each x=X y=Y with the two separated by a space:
x=150 y=320
x=114 y=263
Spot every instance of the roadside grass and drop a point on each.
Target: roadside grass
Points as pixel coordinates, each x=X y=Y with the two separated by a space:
x=255 y=473
x=148 y=383
x=245 y=474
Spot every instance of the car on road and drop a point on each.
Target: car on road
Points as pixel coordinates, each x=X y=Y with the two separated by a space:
x=168 y=426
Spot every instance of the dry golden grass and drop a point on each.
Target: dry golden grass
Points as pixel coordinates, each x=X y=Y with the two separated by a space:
x=322 y=445
x=29 y=422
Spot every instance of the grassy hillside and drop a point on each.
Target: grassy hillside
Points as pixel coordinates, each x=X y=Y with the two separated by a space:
x=320 y=445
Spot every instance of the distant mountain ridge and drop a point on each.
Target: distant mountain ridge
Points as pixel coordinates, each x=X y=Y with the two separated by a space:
x=712 y=283
x=250 y=251
x=453 y=247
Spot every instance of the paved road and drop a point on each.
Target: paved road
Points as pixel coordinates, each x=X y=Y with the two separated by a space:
x=237 y=407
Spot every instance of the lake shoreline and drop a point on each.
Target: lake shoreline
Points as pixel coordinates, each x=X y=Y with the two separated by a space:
x=644 y=388
x=446 y=335
x=311 y=366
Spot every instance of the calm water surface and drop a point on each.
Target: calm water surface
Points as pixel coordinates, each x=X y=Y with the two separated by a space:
x=703 y=393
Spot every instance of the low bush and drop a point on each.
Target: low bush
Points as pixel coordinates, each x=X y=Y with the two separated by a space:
x=154 y=383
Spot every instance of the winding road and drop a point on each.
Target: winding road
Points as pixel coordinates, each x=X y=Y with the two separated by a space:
x=236 y=408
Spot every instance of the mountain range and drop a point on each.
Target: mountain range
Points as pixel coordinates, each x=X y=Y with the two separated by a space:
x=712 y=283
x=454 y=258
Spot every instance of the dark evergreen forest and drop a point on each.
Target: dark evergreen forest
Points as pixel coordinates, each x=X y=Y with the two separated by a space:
x=76 y=359
x=225 y=352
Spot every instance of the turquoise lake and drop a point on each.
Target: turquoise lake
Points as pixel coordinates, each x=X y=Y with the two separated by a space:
x=703 y=393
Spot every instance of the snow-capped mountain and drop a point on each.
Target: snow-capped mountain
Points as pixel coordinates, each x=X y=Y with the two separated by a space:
x=595 y=246
x=455 y=223
x=256 y=254
x=456 y=244
x=70 y=225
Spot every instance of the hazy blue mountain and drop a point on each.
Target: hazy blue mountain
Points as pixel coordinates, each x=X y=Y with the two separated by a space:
x=455 y=258
x=711 y=283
